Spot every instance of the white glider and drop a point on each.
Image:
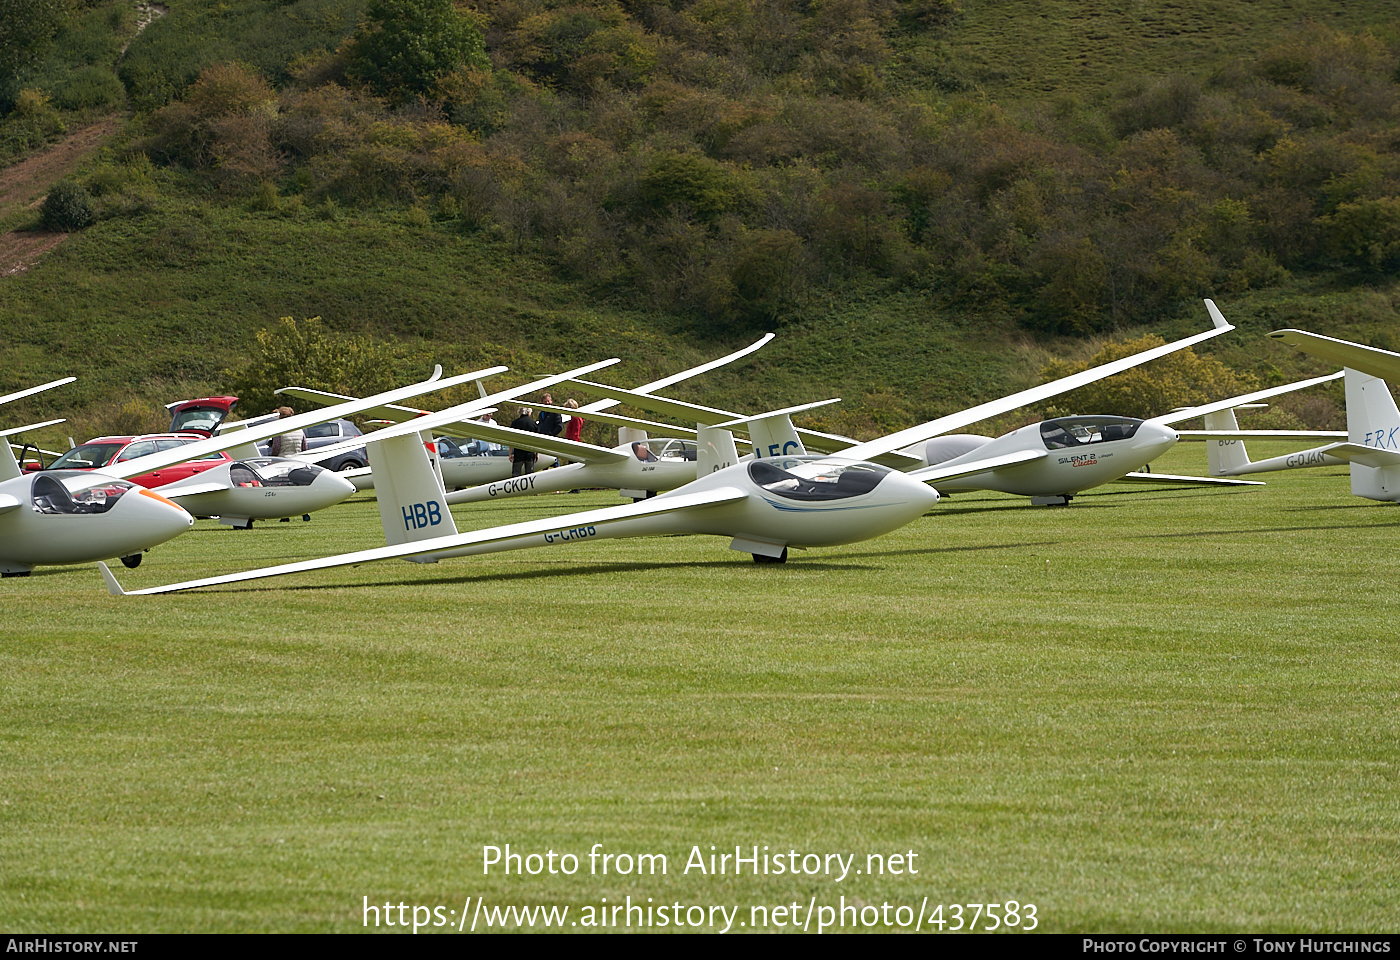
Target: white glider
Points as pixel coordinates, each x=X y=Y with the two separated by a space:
x=470 y=465
x=763 y=507
x=76 y=516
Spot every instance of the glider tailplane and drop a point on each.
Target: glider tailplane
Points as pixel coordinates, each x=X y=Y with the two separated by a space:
x=412 y=501
x=1372 y=421
x=716 y=450
x=1225 y=457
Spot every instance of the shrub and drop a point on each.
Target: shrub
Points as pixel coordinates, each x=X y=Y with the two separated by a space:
x=309 y=355
x=90 y=88
x=67 y=207
x=405 y=46
x=26 y=29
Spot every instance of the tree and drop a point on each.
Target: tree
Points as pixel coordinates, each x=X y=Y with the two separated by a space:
x=308 y=355
x=404 y=46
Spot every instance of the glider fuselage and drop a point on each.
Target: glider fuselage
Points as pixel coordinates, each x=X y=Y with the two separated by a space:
x=71 y=516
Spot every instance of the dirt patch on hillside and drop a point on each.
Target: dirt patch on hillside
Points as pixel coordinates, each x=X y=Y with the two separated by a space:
x=19 y=249
x=26 y=183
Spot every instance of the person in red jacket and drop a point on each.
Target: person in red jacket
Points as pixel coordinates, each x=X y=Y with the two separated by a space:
x=573 y=427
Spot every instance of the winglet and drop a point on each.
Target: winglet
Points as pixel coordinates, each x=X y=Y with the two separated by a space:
x=1216 y=317
x=437 y=370
x=114 y=588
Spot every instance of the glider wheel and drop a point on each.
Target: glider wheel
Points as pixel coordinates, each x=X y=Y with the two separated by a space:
x=132 y=562
x=760 y=558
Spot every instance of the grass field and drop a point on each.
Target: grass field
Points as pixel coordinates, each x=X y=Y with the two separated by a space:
x=1162 y=709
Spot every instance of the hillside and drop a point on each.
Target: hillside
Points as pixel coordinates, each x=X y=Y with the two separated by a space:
x=927 y=201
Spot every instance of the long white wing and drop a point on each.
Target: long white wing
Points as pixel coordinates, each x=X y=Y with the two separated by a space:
x=674 y=378
x=539 y=442
x=1259 y=434
x=993 y=408
x=440 y=545
x=33 y=390
x=208 y=486
x=1372 y=360
x=1136 y=477
x=1189 y=413
x=189 y=451
x=940 y=472
x=27 y=427
x=453 y=417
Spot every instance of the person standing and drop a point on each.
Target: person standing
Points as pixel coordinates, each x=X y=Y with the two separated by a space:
x=287 y=444
x=550 y=421
x=523 y=461
x=573 y=427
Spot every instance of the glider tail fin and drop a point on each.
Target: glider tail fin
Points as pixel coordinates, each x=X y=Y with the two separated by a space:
x=717 y=450
x=630 y=435
x=774 y=436
x=1372 y=421
x=412 y=502
x=1226 y=457
x=9 y=466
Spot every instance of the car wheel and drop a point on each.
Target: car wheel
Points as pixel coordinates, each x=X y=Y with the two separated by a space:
x=132 y=562
x=349 y=465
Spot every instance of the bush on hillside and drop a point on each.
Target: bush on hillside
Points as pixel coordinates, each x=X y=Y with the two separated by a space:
x=223 y=126
x=27 y=27
x=405 y=46
x=67 y=207
x=1180 y=379
x=306 y=354
x=90 y=88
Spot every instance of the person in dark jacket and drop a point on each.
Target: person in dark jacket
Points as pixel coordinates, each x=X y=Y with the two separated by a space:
x=523 y=461
x=551 y=423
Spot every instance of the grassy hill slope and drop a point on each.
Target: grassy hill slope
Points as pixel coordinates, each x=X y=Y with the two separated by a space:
x=162 y=297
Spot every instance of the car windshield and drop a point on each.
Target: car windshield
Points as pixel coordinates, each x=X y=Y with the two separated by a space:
x=87 y=456
x=198 y=418
x=71 y=491
x=268 y=472
x=816 y=478
x=1081 y=431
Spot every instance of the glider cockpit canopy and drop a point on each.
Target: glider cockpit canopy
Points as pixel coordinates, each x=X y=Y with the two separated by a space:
x=816 y=478
x=1066 y=432
x=75 y=492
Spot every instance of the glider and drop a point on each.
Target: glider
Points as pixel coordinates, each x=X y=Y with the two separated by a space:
x=763 y=507
x=470 y=465
x=76 y=516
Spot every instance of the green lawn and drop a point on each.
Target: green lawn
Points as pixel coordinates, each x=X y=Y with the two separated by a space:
x=1159 y=709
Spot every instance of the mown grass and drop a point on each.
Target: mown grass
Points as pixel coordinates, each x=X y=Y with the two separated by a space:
x=1160 y=709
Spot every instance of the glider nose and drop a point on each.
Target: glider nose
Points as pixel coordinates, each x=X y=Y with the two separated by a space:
x=334 y=485
x=1157 y=438
x=164 y=516
x=920 y=496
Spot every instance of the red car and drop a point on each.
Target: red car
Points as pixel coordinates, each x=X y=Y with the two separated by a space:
x=108 y=450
